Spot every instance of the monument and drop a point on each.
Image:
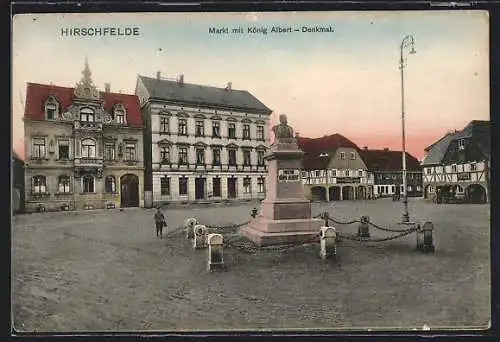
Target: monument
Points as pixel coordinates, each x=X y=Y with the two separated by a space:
x=285 y=214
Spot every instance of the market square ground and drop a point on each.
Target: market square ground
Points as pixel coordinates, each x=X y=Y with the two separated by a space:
x=105 y=270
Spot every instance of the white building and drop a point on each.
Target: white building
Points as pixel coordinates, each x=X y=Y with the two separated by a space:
x=202 y=143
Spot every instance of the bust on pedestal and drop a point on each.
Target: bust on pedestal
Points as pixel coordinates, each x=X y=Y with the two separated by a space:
x=285 y=214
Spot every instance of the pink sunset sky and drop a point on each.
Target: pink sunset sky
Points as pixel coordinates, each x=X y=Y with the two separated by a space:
x=345 y=82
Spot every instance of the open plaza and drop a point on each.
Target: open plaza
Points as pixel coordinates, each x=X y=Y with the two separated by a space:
x=105 y=270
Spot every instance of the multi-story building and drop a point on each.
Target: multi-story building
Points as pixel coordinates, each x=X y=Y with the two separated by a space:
x=202 y=143
x=332 y=169
x=387 y=166
x=17 y=183
x=457 y=166
x=83 y=147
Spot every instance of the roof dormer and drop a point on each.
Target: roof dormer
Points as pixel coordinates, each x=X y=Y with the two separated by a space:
x=119 y=114
x=51 y=107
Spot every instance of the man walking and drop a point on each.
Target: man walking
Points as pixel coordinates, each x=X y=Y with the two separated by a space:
x=159 y=222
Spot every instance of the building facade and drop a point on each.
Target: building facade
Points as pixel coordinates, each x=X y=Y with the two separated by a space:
x=83 y=147
x=333 y=170
x=202 y=143
x=17 y=184
x=457 y=166
x=386 y=167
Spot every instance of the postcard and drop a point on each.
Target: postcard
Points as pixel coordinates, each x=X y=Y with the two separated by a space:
x=267 y=171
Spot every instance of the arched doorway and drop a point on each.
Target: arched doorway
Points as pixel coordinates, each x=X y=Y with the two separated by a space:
x=361 y=192
x=129 y=191
x=347 y=193
x=475 y=193
x=318 y=193
x=334 y=193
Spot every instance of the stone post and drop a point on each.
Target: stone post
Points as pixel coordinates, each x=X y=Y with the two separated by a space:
x=326 y=217
x=420 y=237
x=428 y=245
x=328 y=236
x=215 y=255
x=364 y=227
x=200 y=236
x=189 y=227
x=254 y=212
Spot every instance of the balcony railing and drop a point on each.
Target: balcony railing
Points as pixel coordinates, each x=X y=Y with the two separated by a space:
x=88 y=126
x=88 y=161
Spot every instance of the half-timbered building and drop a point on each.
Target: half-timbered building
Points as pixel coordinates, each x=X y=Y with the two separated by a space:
x=457 y=166
x=202 y=143
x=332 y=169
x=83 y=147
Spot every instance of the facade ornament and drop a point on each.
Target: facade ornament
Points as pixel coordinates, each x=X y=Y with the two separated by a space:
x=99 y=172
x=51 y=146
x=86 y=89
x=282 y=130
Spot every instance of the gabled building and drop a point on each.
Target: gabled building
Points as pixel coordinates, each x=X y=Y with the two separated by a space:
x=332 y=169
x=202 y=143
x=386 y=167
x=83 y=147
x=17 y=184
x=457 y=166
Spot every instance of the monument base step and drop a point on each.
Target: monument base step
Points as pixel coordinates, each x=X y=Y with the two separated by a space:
x=267 y=239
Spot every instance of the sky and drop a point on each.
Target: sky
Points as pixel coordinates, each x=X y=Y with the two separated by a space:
x=347 y=81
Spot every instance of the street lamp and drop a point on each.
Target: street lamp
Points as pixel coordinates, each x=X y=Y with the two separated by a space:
x=408 y=42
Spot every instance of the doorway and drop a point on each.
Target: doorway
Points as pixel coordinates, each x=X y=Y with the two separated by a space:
x=199 y=188
x=129 y=191
x=231 y=187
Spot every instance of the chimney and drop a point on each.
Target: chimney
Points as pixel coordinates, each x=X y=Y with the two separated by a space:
x=107 y=87
x=386 y=149
x=180 y=80
x=229 y=85
x=158 y=75
x=365 y=148
x=296 y=134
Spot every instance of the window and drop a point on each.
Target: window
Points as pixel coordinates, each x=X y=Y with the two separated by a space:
x=409 y=187
x=130 y=151
x=334 y=173
x=393 y=188
x=216 y=188
x=87 y=115
x=360 y=173
x=453 y=168
x=88 y=148
x=183 y=186
x=428 y=170
x=88 y=184
x=353 y=156
x=182 y=127
x=119 y=116
x=246 y=131
x=51 y=111
x=231 y=130
x=419 y=188
x=246 y=158
x=164 y=124
x=109 y=151
x=63 y=149
x=431 y=189
x=247 y=186
x=39 y=185
x=216 y=129
x=260 y=158
x=382 y=189
x=216 y=157
x=461 y=144
x=260 y=132
x=183 y=155
x=63 y=184
x=342 y=155
x=232 y=157
x=165 y=186
x=164 y=154
x=261 y=188
x=347 y=173
x=110 y=184
x=38 y=148
x=316 y=173
x=200 y=156
x=200 y=128
x=473 y=167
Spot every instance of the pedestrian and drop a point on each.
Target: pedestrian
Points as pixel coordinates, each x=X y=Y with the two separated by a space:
x=159 y=222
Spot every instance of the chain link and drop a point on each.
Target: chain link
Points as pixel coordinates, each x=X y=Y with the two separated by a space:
x=390 y=229
x=343 y=223
x=361 y=239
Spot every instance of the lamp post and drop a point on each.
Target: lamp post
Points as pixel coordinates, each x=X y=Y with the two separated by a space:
x=407 y=42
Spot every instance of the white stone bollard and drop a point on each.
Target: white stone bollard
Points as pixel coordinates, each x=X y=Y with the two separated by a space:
x=215 y=256
x=364 y=228
x=200 y=236
x=328 y=237
x=189 y=227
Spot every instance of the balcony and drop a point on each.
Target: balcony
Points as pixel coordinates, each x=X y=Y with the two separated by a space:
x=88 y=162
x=88 y=126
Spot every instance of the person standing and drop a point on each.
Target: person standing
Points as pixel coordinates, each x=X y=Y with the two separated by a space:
x=159 y=222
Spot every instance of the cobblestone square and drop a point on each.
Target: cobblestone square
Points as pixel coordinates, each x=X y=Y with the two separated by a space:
x=104 y=270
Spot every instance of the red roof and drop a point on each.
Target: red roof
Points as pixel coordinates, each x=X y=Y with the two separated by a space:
x=313 y=147
x=36 y=94
x=387 y=160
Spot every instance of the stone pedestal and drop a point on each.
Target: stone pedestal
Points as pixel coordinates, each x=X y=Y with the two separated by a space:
x=285 y=214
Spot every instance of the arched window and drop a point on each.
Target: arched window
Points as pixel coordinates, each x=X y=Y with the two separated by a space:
x=110 y=184
x=87 y=115
x=63 y=184
x=39 y=184
x=88 y=148
x=88 y=184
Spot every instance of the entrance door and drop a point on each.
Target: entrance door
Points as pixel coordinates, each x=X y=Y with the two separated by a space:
x=216 y=187
x=231 y=187
x=129 y=191
x=199 y=188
